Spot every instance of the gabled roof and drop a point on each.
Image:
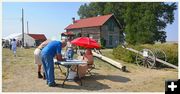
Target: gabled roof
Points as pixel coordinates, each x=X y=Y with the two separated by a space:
x=11 y=36
x=38 y=36
x=89 y=22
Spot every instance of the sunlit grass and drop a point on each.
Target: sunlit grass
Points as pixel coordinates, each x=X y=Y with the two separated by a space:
x=25 y=57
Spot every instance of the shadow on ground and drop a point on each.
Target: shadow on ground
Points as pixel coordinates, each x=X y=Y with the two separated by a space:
x=92 y=83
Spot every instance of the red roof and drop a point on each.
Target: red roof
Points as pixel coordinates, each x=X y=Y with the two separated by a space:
x=89 y=22
x=69 y=33
x=38 y=36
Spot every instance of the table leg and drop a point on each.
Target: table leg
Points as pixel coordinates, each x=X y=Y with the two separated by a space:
x=78 y=75
x=66 y=76
x=59 y=67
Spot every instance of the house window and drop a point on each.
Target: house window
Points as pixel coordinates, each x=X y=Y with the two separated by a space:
x=110 y=40
x=90 y=36
x=79 y=35
x=111 y=25
x=87 y=35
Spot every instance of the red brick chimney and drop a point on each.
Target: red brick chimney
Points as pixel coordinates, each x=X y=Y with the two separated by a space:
x=73 y=19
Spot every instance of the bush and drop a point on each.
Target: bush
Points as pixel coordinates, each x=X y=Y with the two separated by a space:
x=123 y=54
x=103 y=43
x=171 y=51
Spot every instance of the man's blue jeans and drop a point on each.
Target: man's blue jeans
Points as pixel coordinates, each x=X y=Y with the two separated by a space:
x=48 y=65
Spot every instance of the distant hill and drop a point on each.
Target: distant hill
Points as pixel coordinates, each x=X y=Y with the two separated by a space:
x=171 y=41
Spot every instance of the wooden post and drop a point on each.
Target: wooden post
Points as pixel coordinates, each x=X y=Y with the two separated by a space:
x=110 y=61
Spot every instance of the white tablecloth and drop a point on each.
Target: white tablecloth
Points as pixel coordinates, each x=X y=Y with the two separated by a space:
x=71 y=62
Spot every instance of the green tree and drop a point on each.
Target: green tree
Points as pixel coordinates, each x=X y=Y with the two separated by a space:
x=148 y=21
x=141 y=22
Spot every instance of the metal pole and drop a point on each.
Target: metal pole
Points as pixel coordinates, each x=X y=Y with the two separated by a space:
x=22 y=27
x=27 y=28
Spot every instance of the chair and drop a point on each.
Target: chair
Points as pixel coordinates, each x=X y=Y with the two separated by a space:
x=90 y=63
x=90 y=68
x=87 y=56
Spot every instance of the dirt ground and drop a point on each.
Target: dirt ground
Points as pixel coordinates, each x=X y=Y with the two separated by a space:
x=19 y=74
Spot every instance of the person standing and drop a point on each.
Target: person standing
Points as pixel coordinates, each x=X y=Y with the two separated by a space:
x=10 y=44
x=20 y=43
x=37 y=58
x=13 y=46
x=69 y=50
x=51 y=50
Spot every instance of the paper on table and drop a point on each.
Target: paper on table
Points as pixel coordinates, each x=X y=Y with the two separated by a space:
x=74 y=60
x=70 y=62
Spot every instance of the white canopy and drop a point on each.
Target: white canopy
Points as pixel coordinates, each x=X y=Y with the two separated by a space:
x=18 y=36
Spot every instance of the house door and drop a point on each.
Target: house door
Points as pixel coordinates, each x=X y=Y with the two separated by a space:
x=110 y=40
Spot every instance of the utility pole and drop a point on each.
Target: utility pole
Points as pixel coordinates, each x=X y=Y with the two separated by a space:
x=22 y=27
x=27 y=28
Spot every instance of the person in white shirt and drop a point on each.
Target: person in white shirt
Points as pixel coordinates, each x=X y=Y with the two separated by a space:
x=37 y=58
x=14 y=46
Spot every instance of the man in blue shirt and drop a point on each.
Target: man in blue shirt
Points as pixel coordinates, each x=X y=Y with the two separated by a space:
x=47 y=54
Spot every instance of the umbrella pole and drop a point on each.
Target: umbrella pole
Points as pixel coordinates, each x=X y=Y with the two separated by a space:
x=88 y=41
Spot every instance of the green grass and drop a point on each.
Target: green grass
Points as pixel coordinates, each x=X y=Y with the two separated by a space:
x=9 y=62
x=20 y=74
x=25 y=57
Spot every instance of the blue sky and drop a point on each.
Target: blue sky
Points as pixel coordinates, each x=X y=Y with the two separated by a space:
x=51 y=18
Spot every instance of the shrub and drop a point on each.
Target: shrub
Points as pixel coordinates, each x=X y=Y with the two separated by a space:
x=123 y=54
x=103 y=43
